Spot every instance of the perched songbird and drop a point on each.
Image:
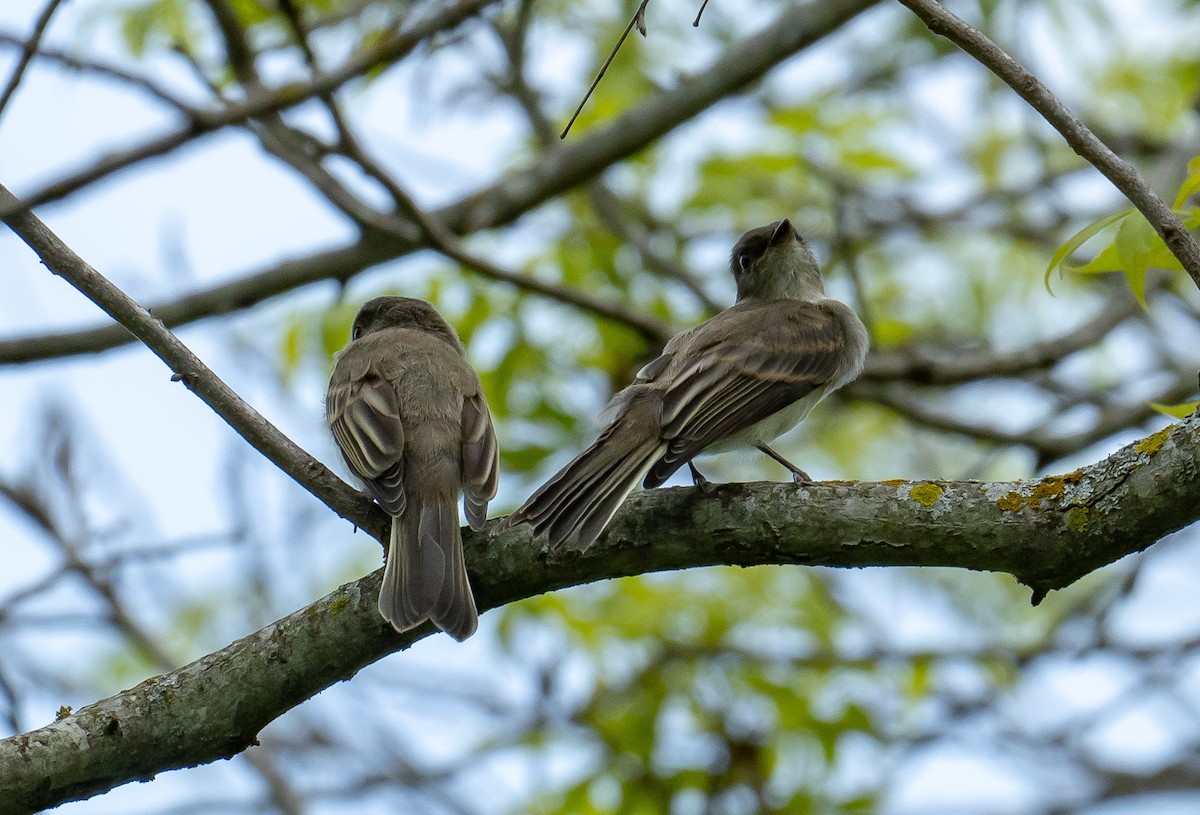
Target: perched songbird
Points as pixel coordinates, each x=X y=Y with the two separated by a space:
x=408 y=413
x=740 y=379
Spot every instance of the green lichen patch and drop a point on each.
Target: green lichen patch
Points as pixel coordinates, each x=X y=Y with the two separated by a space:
x=1077 y=518
x=894 y=482
x=1153 y=443
x=338 y=604
x=1011 y=502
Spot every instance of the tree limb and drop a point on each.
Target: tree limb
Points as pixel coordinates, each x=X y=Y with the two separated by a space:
x=1048 y=533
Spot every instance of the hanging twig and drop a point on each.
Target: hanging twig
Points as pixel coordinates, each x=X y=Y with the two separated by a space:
x=638 y=19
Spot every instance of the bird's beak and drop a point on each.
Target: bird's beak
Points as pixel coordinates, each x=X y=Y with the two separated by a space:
x=783 y=232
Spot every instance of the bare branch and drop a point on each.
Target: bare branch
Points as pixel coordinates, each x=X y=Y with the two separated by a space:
x=105 y=71
x=638 y=19
x=951 y=366
x=28 y=52
x=1120 y=172
x=249 y=423
x=1049 y=446
x=443 y=240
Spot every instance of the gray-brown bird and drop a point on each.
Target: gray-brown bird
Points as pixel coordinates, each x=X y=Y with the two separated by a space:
x=409 y=415
x=742 y=378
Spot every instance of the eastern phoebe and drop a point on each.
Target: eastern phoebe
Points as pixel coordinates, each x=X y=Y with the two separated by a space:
x=408 y=413
x=740 y=379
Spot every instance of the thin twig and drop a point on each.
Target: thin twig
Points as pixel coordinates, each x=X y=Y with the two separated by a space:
x=105 y=71
x=447 y=243
x=188 y=368
x=1122 y=174
x=607 y=206
x=634 y=20
x=30 y=50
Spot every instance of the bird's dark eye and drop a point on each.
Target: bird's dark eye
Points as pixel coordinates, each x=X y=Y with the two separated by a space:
x=356 y=332
x=744 y=261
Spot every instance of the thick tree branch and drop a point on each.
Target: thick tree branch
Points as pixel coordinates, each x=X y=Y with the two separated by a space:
x=1120 y=172
x=500 y=203
x=1046 y=532
x=249 y=423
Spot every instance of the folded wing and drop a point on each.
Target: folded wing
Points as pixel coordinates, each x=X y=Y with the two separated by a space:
x=772 y=355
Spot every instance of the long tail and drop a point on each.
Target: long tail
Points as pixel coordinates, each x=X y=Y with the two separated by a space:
x=425 y=576
x=586 y=493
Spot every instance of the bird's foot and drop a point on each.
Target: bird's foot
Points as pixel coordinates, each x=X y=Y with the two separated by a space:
x=698 y=479
x=798 y=475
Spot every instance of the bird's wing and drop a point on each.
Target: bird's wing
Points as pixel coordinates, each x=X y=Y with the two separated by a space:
x=364 y=415
x=739 y=368
x=480 y=459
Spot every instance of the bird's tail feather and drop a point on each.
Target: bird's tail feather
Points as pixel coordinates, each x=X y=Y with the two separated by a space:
x=586 y=493
x=425 y=576
x=454 y=611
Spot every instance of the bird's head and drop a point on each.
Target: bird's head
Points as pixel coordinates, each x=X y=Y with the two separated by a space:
x=400 y=312
x=773 y=262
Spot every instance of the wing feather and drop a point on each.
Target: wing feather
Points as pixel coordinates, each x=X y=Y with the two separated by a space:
x=480 y=459
x=736 y=378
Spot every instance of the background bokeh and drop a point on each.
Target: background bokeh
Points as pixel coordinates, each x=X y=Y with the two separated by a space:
x=138 y=532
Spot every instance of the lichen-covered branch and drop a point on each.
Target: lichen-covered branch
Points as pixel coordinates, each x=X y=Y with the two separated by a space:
x=1047 y=532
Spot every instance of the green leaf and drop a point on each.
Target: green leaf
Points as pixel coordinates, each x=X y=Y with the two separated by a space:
x=1108 y=260
x=1179 y=411
x=1187 y=190
x=876 y=161
x=290 y=348
x=889 y=332
x=1134 y=242
x=1080 y=238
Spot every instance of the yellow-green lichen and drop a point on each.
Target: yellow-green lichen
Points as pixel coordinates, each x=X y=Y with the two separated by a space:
x=1047 y=488
x=1076 y=518
x=926 y=494
x=893 y=482
x=1011 y=502
x=338 y=605
x=1153 y=443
